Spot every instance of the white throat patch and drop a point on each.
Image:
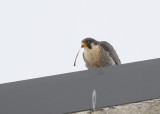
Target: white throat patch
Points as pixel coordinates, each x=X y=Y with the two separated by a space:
x=92 y=55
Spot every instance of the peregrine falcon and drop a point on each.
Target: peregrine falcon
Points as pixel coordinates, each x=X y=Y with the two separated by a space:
x=99 y=54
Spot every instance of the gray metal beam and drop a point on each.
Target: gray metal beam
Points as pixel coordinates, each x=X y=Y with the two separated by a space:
x=72 y=92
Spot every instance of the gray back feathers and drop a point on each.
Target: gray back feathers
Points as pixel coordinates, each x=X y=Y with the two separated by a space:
x=108 y=47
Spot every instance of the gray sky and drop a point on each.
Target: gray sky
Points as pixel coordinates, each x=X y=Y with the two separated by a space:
x=41 y=37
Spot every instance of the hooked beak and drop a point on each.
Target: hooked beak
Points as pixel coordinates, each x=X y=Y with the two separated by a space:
x=84 y=44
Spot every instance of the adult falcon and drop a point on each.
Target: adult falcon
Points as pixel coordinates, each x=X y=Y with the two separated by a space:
x=99 y=53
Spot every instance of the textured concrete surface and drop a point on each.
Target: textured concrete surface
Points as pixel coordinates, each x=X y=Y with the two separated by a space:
x=145 y=107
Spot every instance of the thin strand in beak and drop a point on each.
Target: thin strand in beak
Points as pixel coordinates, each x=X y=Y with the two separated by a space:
x=76 y=57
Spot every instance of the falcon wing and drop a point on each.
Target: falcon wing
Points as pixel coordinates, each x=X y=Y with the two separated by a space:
x=108 y=47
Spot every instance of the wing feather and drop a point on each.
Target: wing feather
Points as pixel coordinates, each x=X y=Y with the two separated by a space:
x=109 y=48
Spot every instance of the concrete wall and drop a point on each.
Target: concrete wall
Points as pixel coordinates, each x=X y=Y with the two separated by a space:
x=145 y=107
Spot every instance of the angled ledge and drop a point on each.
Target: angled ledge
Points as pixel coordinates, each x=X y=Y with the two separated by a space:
x=72 y=92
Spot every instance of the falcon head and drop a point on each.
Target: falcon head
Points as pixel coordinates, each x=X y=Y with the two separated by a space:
x=89 y=43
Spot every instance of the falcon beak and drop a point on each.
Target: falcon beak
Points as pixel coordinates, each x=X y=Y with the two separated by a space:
x=84 y=44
